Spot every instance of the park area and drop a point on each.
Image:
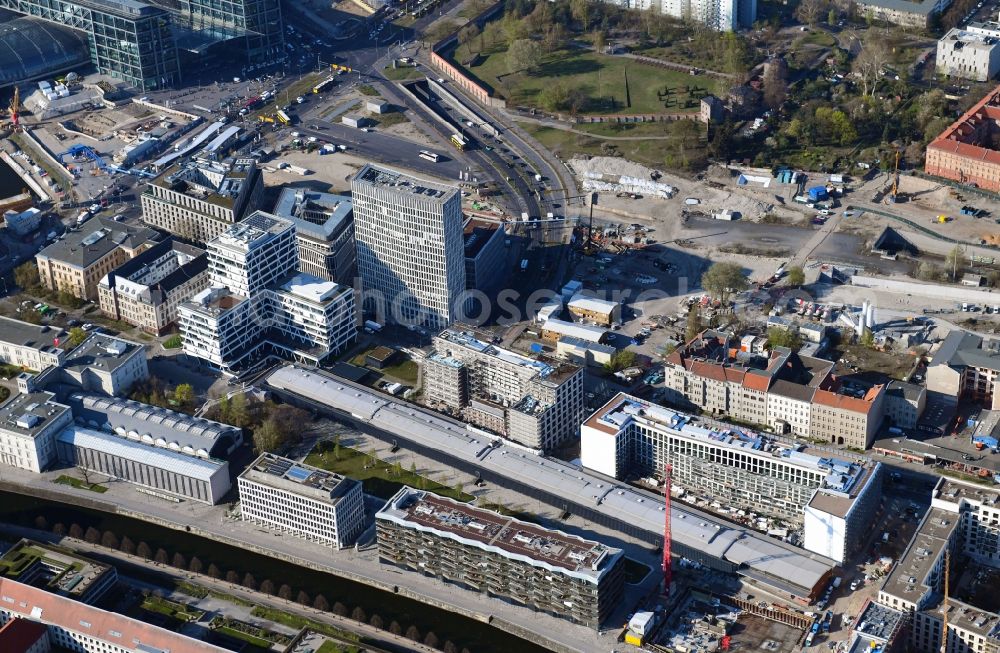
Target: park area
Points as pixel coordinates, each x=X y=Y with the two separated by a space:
x=585 y=82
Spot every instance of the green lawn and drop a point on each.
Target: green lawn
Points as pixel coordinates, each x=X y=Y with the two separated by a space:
x=77 y=483
x=297 y=622
x=402 y=73
x=334 y=647
x=390 y=119
x=601 y=78
x=173 y=342
x=171 y=609
x=379 y=479
x=564 y=143
x=405 y=371
x=246 y=637
x=819 y=37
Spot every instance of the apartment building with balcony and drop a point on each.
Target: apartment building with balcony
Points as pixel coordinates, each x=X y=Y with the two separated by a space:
x=735 y=467
x=541 y=398
x=199 y=200
x=482 y=551
x=306 y=501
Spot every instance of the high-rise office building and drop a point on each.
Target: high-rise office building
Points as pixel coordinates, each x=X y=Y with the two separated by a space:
x=411 y=251
x=258 y=302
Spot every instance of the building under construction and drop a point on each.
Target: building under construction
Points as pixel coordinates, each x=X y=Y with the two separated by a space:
x=958 y=534
x=483 y=551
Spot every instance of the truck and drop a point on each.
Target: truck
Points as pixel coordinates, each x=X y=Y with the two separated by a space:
x=83 y=217
x=373 y=325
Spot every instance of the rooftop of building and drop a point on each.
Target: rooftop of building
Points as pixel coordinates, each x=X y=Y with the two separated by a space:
x=214 y=301
x=101 y=352
x=23 y=334
x=298 y=478
x=757 y=557
x=878 y=622
x=124 y=8
x=399 y=182
x=144 y=269
x=955 y=492
x=218 y=183
x=467 y=339
x=842 y=398
x=21 y=635
x=920 y=7
x=154 y=425
x=834 y=501
x=624 y=410
x=507 y=536
x=66 y=573
x=586 y=344
x=581 y=331
x=970 y=135
x=585 y=302
x=76 y=617
x=959 y=38
x=311 y=288
x=120 y=447
x=29 y=414
x=382 y=354
x=908 y=391
x=251 y=232
x=963 y=348
x=96 y=239
x=477 y=233
x=320 y=215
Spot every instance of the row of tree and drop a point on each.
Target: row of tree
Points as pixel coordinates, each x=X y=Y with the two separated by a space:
x=195 y=565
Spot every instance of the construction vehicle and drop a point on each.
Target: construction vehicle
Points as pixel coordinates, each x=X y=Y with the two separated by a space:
x=893 y=195
x=265 y=118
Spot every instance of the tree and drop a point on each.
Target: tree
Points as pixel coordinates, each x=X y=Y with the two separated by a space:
x=553 y=96
x=161 y=556
x=144 y=551
x=109 y=540
x=214 y=571
x=413 y=633
x=41 y=523
x=376 y=622
x=831 y=16
x=302 y=598
x=267 y=438
x=580 y=10
x=449 y=647
x=468 y=34
x=26 y=275
x=809 y=11
x=285 y=592
x=927 y=271
x=723 y=279
x=59 y=529
x=267 y=586
x=795 y=276
x=395 y=628
x=694 y=324
x=358 y=614
x=620 y=360
x=339 y=609
x=439 y=30
x=76 y=531
x=238 y=413
x=337 y=451
x=232 y=577
x=523 y=54
x=93 y=536
x=321 y=604
x=431 y=640
x=127 y=546
x=249 y=581
x=775 y=84
x=780 y=337
x=953 y=260
x=870 y=61
x=184 y=394
x=598 y=40
x=179 y=561
x=867 y=338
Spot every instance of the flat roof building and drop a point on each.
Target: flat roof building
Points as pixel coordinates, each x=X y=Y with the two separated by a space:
x=146 y=290
x=324 y=232
x=199 y=200
x=257 y=303
x=480 y=550
x=553 y=329
x=736 y=467
x=968 y=55
x=29 y=425
x=906 y=13
x=76 y=626
x=306 y=501
x=542 y=399
x=106 y=364
x=78 y=262
x=593 y=310
x=57 y=570
x=787 y=573
x=410 y=247
x=965 y=366
x=30 y=346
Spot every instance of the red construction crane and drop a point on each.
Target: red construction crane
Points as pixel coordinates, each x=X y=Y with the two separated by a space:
x=667 y=474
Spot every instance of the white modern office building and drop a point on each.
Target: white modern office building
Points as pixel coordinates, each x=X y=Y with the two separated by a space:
x=306 y=501
x=737 y=469
x=972 y=53
x=411 y=250
x=257 y=303
x=29 y=425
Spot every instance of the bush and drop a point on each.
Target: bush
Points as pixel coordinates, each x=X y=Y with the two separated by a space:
x=173 y=342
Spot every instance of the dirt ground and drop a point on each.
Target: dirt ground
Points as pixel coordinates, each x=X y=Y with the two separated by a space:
x=330 y=172
x=753 y=633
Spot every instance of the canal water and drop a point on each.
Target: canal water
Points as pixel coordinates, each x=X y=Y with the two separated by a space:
x=464 y=632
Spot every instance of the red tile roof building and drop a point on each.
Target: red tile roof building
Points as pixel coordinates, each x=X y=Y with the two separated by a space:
x=779 y=390
x=80 y=627
x=967 y=151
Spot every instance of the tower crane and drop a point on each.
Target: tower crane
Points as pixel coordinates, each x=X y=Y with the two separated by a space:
x=895 y=180
x=667 y=536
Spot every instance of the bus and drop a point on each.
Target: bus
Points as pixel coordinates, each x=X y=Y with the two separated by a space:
x=430 y=156
x=283 y=117
x=459 y=141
